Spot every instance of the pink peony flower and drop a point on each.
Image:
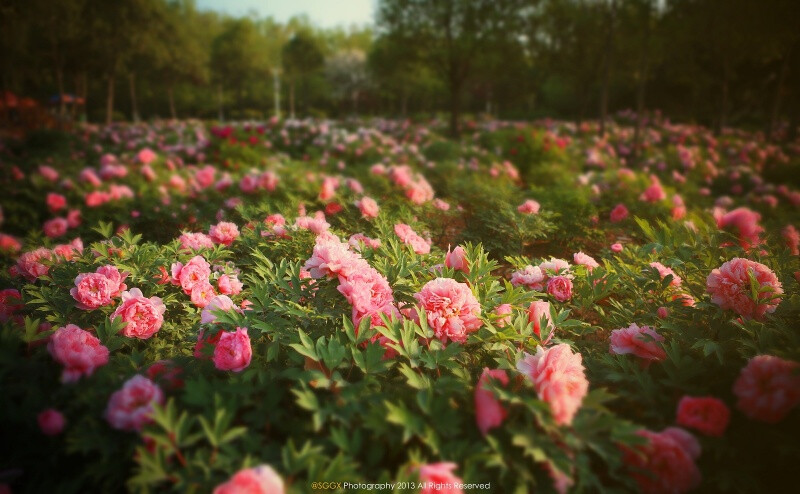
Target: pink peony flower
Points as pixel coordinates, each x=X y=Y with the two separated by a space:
x=218 y=303
x=616 y=248
x=531 y=277
x=56 y=227
x=768 y=388
x=51 y=422
x=457 y=259
x=131 y=407
x=368 y=207
x=202 y=293
x=195 y=241
x=316 y=225
x=663 y=465
x=438 y=478
x=451 y=309
x=706 y=414
x=10 y=303
x=146 y=156
x=441 y=205
x=258 y=480
x=331 y=257
x=144 y=316
x=619 y=213
x=489 y=413
x=197 y=270
x=56 y=202
x=640 y=341
x=356 y=241
x=410 y=237
x=654 y=192
x=529 y=207
x=93 y=290
x=229 y=284
x=9 y=244
x=556 y=266
x=503 y=313
x=78 y=351
x=233 y=351
x=560 y=287
x=224 y=233
x=558 y=378
x=539 y=310
x=582 y=259
x=791 y=237
x=30 y=266
x=744 y=221
x=730 y=288
x=664 y=271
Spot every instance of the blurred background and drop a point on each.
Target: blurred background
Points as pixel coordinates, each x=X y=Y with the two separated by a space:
x=714 y=62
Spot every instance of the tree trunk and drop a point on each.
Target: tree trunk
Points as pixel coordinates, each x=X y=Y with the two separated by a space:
x=291 y=100
x=171 y=94
x=134 y=106
x=776 y=102
x=110 y=100
x=607 y=61
x=219 y=99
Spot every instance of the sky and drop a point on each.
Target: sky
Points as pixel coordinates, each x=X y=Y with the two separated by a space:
x=323 y=13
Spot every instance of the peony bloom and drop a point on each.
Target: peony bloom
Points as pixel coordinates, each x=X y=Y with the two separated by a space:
x=314 y=224
x=457 y=259
x=582 y=259
x=441 y=205
x=56 y=227
x=202 y=293
x=146 y=156
x=56 y=202
x=451 y=309
x=616 y=248
x=10 y=303
x=229 y=284
x=78 y=351
x=144 y=316
x=332 y=257
x=640 y=341
x=560 y=287
x=218 y=303
x=503 y=313
x=664 y=271
x=706 y=414
x=51 y=422
x=224 y=233
x=663 y=464
x=791 y=238
x=167 y=373
x=258 y=480
x=768 y=388
x=131 y=407
x=30 y=266
x=730 y=288
x=233 y=351
x=538 y=310
x=410 y=237
x=197 y=270
x=558 y=377
x=654 y=192
x=619 y=213
x=9 y=244
x=529 y=207
x=531 y=277
x=489 y=413
x=93 y=290
x=357 y=240
x=195 y=241
x=368 y=207
x=744 y=221
x=438 y=478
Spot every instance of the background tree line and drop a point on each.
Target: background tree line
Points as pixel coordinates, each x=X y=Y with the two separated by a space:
x=716 y=62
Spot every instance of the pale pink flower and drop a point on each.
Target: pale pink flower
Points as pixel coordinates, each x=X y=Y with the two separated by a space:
x=48 y=172
x=457 y=259
x=664 y=271
x=558 y=378
x=654 y=192
x=791 y=238
x=556 y=266
x=30 y=266
x=258 y=480
x=78 y=351
x=51 y=422
x=730 y=288
x=744 y=222
x=408 y=236
x=451 y=309
x=195 y=241
x=356 y=241
x=202 y=293
x=93 y=290
x=233 y=351
x=328 y=190
x=55 y=227
x=441 y=205
x=9 y=244
x=706 y=414
x=768 y=388
x=503 y=313
x=531 y=277
x=489 y=413
x=224 y=233
x=368 y=207
x=131 y=407
x=529 y=207
x=332 y=257
x=314 y=224
x=640 y=341
x=616 y=248
x=438 y=478
x=144 y=316
x=229 y=284
x=146 y=156
x=582 y=259
x=540 y=310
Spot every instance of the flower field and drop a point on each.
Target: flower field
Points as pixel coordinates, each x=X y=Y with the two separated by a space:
x=357 y=306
